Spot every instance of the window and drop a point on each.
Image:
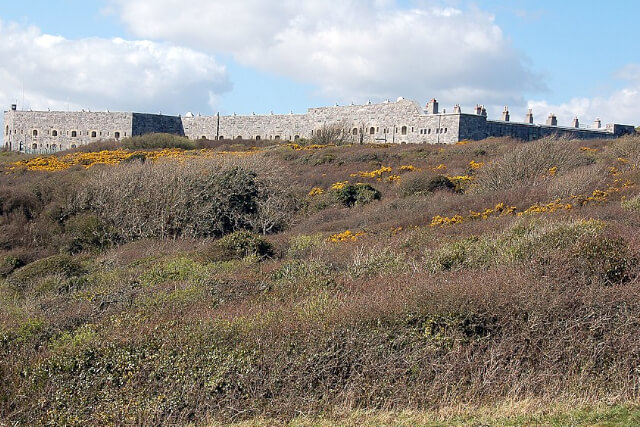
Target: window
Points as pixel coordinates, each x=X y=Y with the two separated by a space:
x=116 y=135
x=277 y=137
x=94 y=134
x=429 y=131
x=372 y=131
x=53 y=147
x=239 y=137
x=355 y=131
x=296 y=137
x=404 y=130
x=203 y=137
x=445 y=130
x=73 y=146
x=74 y=134
x=54 y=133
x=35 y=133
x=258 y=138
x=221 y=137
x=412 y=129
x=34 y=146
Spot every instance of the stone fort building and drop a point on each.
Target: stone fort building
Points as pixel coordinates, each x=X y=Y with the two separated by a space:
x=399 y=122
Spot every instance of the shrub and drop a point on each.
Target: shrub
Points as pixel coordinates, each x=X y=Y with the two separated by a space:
x=199 y=199
x=423 y=183
x=158 y=140
x=60 y=265
x=601 y=259
x=84 y=232
x=9 y=263
x=528 y=164
x=238 y=245
x=352 y=194
x=632 y=204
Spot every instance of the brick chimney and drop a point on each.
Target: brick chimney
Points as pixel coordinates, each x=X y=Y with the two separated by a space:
x=552 y=120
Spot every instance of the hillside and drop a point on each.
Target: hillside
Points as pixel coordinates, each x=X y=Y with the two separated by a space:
x=163 y=281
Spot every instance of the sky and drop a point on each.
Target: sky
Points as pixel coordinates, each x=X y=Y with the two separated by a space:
x=572 y=58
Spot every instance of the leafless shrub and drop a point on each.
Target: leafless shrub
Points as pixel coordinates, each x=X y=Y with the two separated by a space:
x=334 y=133
x=529 y=163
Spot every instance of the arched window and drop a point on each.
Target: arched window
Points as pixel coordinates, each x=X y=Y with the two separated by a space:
x=74 y=134
x=203 y=137
x=53 y=147
x=34 y=146
x=372 y=131
x=94 y=134
x=116 y=135
x=403 y=130
x=258 y=138
x=54 y=133
x=318 y=132
x=355 y=131
x=221 y=137
x=239 y=137
x=73 y=146
x=296 y=138
x=35 y=133
x=277 y=137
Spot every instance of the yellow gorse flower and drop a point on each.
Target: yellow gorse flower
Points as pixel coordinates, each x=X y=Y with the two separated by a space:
x=345 y=236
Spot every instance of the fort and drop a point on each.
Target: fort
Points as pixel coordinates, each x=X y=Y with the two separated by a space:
x=402 y=121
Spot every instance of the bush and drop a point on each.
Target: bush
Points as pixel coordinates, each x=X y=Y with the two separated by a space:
x=352 y=194
x=9 y=263
x=423 y=183
x=528 y=164
x=238 y=245
x=201 y=199
x=632 y=204
x=158 y=140
x=56 y=265
x=85 y=232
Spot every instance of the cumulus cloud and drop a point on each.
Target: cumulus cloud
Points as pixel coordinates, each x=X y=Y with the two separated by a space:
x=53 y=72
x=350 y=49
x=620 y=106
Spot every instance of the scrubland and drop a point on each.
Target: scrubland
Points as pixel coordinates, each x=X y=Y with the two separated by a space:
x=163 y=281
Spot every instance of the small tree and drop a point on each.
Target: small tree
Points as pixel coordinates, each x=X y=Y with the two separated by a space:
x=338 y=133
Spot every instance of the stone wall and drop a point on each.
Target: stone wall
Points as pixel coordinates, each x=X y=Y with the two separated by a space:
x=51 y=131
x=402 y=121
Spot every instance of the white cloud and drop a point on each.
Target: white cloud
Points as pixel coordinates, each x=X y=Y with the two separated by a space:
x=97 y=73
x=350 y=49
x=621 y=106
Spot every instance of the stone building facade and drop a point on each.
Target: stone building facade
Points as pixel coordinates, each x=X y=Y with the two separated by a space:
x=402 y=121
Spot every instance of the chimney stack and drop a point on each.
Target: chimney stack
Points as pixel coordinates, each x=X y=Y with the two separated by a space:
x=478 y=110
x=576 y=122
x=432 y=107
x=505 y=114
x=529 y=117
x=484 y=111
x=14 y=107
x=552 y=120
x=456 y=109
x=597 y=124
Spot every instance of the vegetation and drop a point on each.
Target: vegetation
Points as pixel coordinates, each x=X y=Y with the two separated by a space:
x=490 y=282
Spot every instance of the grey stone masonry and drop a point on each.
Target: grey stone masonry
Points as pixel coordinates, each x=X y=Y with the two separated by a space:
x=402 y=121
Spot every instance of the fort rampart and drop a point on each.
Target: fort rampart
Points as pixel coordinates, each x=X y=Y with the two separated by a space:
x=402 y=121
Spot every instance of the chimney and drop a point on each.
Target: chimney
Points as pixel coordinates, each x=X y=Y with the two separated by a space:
x=478 y=110
x=456 y=109
x=597 y=124
x=432 y=107
x=484 y=111
x=529 y=117
x=505 y=114
x=576 y=122
x=14 y=107
x=552 y=120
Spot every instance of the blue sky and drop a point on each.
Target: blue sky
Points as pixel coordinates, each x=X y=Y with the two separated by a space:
x=569 y=57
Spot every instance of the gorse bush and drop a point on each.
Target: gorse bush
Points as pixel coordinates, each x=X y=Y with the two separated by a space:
x=423 y=183
x=352 y=194
x=158 y=140
x=238 y=245
x=167 y=199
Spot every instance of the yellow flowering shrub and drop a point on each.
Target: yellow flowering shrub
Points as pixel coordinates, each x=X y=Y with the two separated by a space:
x=589 y=150
x=345 y=236
x=339 y=185
x=408 y=168
x=372 y=174
x=316 y=191
x=440 y=167
x=444 y=220
x=393 y=178
x=553 y=171
x=475 y=165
